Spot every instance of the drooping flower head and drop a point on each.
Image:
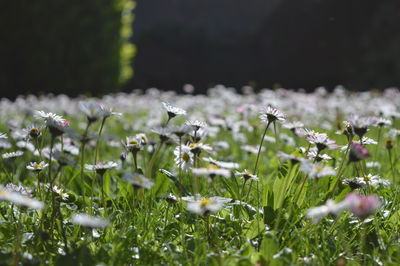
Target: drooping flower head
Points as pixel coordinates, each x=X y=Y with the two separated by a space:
x=358 y=152
x=101 y=167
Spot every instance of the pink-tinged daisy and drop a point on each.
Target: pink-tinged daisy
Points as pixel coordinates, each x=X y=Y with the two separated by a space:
x=362 y=206
x=270 y=114
x=322 y=141
x=358 y=152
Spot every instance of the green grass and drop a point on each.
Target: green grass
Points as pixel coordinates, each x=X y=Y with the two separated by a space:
x=269 y=227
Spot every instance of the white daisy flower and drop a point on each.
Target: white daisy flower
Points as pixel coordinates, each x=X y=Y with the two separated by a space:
x=49 y=116
x=183 y=157
x=138 y=180
x=86 y=220
x=270 y=114
x=247 y=175
x=14 y=154
x=196 y=124
x=25 y=145
x=198 y=147
x=37 y=167
x=132 y=144
x=3 y=135
x=330 y=207
x=251 y=149
x=172 y=110
x=204 y=205
x=92 y=110
x=317 y=170
x=58 y=191
x=221 y=164
x=322 y=141
x=212 y=171
x=19 y=199
x=101 y=167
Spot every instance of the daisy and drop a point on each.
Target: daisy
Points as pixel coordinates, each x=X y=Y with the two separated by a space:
x=19 y=199
x=360 y=124
x=49 y=116
x=211 y=171
x=180 y=131
x=107 y=112
x=58 y=191
x=172 y=110
x=37 y=167
x=183 y=157
x=92 y=110
x=15 y=154
x=86 y=220
x=3 y=135
x=383 y=122
x=101 y=167
x=294 y=157
x=204 y=206
x=132 y=144
x=163 y=133
x=198 y=147
x=315 y=155
x=138 y=180
x=362 y=206
x=329 y=208
x=317 y=170
x=196 y=124
x=221 y=164
x=371 y=180
x=270 y=114
x=143 y=138
x=293 y=126
x=251 y=149
x=357 y=152
x=25 y=145
x=322 y=141
x=19 y=189
x=247 y=175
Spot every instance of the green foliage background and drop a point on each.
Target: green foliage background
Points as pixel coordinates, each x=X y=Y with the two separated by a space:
x=64 y=46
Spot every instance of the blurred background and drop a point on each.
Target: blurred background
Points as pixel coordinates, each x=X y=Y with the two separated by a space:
x=102 y=46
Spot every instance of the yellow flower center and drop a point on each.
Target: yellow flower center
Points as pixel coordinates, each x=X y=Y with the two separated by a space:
x=205 y=202
x=193 y=145
x=138 y=180
x=38 y=166
x=318 y=168
x=133 y=142
x=185 y=157
x=212 y=166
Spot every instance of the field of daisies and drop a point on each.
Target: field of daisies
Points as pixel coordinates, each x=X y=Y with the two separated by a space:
x=276 y=177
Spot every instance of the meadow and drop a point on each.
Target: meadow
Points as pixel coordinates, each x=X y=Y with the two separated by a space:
x=275 y=177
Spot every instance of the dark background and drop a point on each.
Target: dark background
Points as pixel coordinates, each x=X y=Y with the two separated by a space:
x=296 y=43
x=74 y=47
